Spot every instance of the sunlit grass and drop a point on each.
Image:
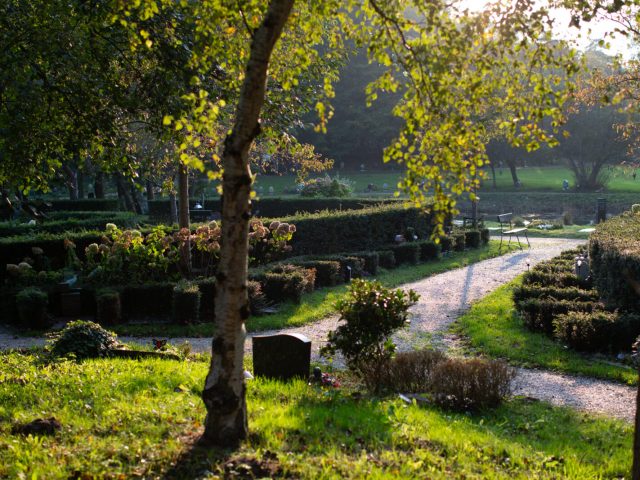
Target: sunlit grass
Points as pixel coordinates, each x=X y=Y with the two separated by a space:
x=129 y=418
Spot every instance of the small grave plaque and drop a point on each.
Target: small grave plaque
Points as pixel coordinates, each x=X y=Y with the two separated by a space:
x=282 y=356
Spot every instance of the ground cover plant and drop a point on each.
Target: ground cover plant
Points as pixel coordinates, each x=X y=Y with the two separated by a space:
x=126 y=418
x=493 y=327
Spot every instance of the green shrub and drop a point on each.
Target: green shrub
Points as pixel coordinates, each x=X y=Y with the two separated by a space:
x=635 y=208
x=407 y=253
x=257 y=299
x=371 y=261
x=356 y=264
x=614 y=251
x=485 y=235
x=408 y=372
x=186 y=303
x=355 y=230
x=83 y=340
x=85 y=205
x=32 y=307
x=328 y=272
x=371 y=314
x=472 y=238
x=525 y=292
x=559 y=279
x=327 y=187
x=447 y=243
x=429 y=250
x=286 y=282
x=108 y=307
x=207 y=287
x=458 y=242
x=539 y=313
x=387 y=259
x=470 y=384
x=597 y=331
x=68 y=222
x=148 y=300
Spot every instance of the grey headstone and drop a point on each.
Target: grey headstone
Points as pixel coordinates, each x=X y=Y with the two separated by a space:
x=281 y=356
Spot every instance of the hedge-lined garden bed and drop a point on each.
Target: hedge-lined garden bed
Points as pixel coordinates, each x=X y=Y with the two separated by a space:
x=59 y=222
x=556 y=302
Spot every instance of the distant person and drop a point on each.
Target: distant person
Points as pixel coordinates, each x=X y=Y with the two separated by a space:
x=565 y=185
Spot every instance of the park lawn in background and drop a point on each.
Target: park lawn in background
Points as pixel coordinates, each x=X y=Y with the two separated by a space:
x=319 y=304
x=493 y=328
x=567 y=231
x=139 y=418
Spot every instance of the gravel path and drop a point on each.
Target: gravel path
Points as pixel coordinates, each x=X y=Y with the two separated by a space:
x=443 y=298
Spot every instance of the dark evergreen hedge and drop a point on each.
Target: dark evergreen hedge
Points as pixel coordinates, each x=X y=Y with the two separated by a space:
x=407 y=253
x=69 y=221
x=85 y=205
x=614 y=251
x=278 y=207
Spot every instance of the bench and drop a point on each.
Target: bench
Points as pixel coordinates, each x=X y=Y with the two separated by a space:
x=507 y=228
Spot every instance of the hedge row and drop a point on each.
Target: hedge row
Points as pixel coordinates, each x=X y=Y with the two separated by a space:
x=614 y=251
x=277 y=207
x=554 y=301
x=85 y=205
x=70 y=221
x=353 y=230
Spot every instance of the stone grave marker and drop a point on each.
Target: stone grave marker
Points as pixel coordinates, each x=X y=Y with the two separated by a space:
x=281 y=356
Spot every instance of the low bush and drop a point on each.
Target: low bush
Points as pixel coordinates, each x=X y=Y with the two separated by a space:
x=68 y=222
x=83 y=340
x=472 y=238
x=458 y=242
x=470 y=384
x=429 y=250
x=408 y=372
x=597 y=331
x=371 y=261
x=356 y=264
x=108 y=307
x=257 y=299
x=32 y=307
x=328 y=272
x=485 y=235
x=327 y=187
x=370 y=313
x=207 y=287
x=149 y=300
x=447 y=243
x=559 y=279
x=387 y=259
x=539 y=313
x=286 y=282
x=525 y=292
x=407 y=253
x=186 y=303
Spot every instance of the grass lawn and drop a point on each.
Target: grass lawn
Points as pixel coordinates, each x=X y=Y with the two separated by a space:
x=318 y=304
x=139 y=419
x=492 y=327
x=568 y=231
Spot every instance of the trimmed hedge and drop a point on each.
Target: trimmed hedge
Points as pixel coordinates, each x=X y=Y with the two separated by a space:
x=85 y=205
x=472 y=238
x=371 y=261
x=559 y=279
x=407 y=253
x=485 y=235
x=278 y=207
x=68 y=221
x=286 y=282
x=429 y=250
x=539 y=313
x=386 y=259
x=458 y=241
x=597 y=331
x=328 y=272
x=614 y=251
x=355 y=230
x=524 y=292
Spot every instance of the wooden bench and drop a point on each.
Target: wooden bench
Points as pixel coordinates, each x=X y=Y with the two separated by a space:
x=507 y=228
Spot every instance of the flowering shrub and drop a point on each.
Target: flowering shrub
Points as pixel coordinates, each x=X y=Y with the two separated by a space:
x=268 y=244
x=127 y=256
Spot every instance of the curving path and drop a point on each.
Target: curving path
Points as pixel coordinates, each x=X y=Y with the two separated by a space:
x=443 y=298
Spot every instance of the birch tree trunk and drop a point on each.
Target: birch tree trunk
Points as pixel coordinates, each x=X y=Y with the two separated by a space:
x=224 y=391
